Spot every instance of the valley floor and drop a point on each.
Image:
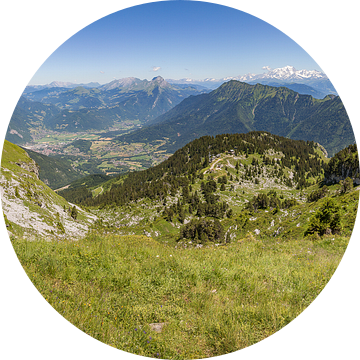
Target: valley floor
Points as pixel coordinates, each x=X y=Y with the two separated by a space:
x=99 y=152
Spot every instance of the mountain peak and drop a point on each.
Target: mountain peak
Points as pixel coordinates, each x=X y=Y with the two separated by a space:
x=159 y=81
x=286 y=73
x=158 y=78
x=290 y=73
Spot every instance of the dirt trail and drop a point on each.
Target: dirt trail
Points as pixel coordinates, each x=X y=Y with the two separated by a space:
x=224 y=158
x=214 y=163
x=62 y=188
x=228 y=162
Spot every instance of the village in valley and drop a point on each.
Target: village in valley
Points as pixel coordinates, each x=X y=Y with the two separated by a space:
x=111 y=156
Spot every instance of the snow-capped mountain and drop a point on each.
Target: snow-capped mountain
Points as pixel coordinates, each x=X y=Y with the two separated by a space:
x=316 y=80
x=287 y=73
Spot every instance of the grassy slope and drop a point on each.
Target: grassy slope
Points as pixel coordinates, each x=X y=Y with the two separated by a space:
x=214 y=300
x=30 y=207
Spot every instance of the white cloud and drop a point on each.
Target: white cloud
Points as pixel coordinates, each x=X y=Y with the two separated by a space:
x=103 y=72
x=266 y=68
x=156 y=68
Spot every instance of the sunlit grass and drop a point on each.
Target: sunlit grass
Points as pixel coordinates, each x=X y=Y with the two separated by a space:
x=213 y=300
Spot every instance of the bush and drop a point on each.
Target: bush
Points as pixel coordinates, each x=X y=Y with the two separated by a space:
x=346 y=185
x=288 y=203
x=222 y=180
x=60 y=227
x=326 y=220
x=203 y=230
x=260 y=201
x=318 y=194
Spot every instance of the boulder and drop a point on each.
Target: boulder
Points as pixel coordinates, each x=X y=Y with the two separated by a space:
x=157 y=327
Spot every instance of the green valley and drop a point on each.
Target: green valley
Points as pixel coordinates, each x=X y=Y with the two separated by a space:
x=100 y=155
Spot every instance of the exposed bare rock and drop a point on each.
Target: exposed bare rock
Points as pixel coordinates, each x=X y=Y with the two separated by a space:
x=157 y=327
x=31 y=208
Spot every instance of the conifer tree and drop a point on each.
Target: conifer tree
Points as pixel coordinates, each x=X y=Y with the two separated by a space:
x=74 y=213
x=346 y=185
x=326 y=220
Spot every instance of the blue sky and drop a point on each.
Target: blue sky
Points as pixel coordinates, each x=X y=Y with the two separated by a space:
x=174 y=39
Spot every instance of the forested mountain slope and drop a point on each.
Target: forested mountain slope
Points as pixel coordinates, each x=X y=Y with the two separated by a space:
x=237 y=107
x=220 y=188
x=185 y=165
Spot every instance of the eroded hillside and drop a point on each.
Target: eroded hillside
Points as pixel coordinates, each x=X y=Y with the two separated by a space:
x=32 y=209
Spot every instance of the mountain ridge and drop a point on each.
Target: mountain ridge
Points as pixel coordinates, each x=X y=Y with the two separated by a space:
x=237 y=107
x=287 y=73
x=81 y=109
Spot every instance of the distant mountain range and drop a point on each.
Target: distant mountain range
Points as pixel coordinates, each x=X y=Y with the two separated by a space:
x=285 y=76
x=59 y=84
x=189 y=110
x=318 y=84
x=237 y=107
x=114 y=93
x=80 y=109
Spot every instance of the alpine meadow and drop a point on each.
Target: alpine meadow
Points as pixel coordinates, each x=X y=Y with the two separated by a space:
x=179 y=200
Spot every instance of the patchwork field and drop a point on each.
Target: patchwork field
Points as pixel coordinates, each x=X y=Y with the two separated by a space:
x=91 y=153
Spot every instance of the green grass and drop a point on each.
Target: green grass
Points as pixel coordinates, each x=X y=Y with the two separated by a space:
x=10 y=153
x=97 y=191
x=214 y=300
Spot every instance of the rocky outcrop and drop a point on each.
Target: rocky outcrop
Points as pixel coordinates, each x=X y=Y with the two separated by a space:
x=335 y=179
x=31 y=209
x=30 y=166
x=323 y=150
x=342 y=173
x=344 y=164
